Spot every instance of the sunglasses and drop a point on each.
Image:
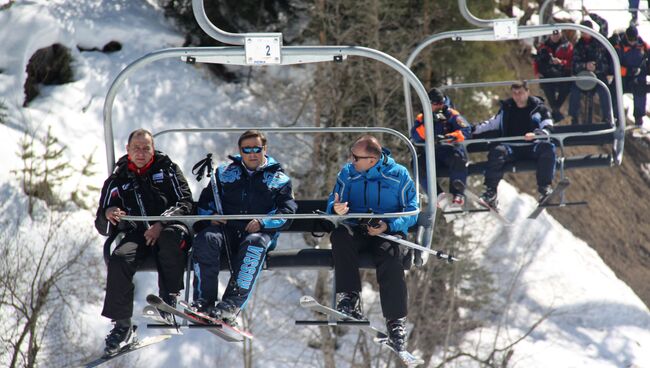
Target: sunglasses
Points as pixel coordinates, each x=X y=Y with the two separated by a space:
x=249 y=150
x=356 y=158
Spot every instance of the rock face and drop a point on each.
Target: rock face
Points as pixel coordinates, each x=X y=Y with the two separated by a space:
x=616 y=223
x=49 y=65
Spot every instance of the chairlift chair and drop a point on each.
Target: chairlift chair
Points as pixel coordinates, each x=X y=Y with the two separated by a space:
x=578 y=135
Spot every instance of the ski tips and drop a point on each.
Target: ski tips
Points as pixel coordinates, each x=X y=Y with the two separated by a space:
x=155 y=299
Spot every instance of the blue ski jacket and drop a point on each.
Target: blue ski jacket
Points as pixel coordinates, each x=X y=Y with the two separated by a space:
x=385 y=187
x=266 y=190
x=447 y=120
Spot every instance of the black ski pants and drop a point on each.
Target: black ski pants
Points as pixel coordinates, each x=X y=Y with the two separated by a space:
x=542 y=152
x=247 y=255
x=387 y=257
x=448 y=156
x=556 y=93
x=170 y=254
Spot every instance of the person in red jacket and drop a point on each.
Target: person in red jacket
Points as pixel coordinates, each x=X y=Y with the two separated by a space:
x=554 y=60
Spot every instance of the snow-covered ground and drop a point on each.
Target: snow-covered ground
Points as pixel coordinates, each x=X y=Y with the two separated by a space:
x=593 y=320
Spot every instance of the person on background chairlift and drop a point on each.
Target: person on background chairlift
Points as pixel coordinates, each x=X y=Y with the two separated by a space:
x=633 y=54
x=521 y=115
x=591 y=56
x=452 y=128
x=554 y=60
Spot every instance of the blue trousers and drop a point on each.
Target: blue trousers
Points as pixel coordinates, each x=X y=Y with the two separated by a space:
x=574 y=102
x=247 y=255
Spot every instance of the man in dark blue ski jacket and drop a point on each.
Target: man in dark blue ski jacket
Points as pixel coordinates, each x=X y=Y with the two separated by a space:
x=526 y=116
x=633 y=54
x=372 y=182
x=253 y=183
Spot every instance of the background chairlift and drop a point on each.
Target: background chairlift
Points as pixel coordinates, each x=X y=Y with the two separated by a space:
x=265 y=49
x=580 y=135
x=546 y=13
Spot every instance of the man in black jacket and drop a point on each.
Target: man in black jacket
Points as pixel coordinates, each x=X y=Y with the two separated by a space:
x=253 y=183
x=145 y=182
x=526 y=116
x=589 y=55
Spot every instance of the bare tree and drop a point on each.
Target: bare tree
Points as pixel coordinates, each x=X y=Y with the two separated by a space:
x=41 y=273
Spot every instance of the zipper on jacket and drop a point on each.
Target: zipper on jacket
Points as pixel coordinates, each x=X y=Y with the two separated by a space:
x=378 y=194
x=365 y=195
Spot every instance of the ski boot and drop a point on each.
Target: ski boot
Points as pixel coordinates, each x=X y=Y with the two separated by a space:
x=458 y=201
x=350 y=304
x=490 y=197
x=122 y=334
x=397 y=334
x=225 y=311
x=201 y=306
x=544 y=192
x=170 y=299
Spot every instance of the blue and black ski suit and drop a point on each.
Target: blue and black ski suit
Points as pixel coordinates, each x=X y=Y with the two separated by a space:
x=634 y=70
x=266 y=190
x=386 y=187
x=448 y=155
x=512 y=121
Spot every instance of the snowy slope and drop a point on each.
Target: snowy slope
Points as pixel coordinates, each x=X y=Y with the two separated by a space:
x=597 y=321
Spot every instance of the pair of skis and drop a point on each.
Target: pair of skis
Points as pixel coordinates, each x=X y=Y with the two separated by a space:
x=197 y=320
x=548 y=201
x=135 y=345
x=339 y=318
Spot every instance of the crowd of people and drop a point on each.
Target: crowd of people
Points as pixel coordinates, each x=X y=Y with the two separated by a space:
x=558 y=57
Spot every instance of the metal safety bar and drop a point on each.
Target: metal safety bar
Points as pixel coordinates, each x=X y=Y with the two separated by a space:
x=537 y=81
x=528 y=32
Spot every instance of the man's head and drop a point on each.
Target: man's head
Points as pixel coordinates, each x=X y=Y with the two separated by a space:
x=520 y=93
x=588 y=24
x=631 y=34
x=140 y=147
x=252 y=147
x=437 y=99
x=365 y=153
x=555 y=37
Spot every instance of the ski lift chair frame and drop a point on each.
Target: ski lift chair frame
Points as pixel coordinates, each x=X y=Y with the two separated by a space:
x=286 y=55
x=546 y=15
x=586 y=134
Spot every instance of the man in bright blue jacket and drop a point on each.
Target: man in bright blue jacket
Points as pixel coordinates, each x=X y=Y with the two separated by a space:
x=372 y=182
x=253 y=183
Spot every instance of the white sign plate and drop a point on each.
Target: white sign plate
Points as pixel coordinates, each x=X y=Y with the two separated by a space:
x=506 y=29
x=261 y=50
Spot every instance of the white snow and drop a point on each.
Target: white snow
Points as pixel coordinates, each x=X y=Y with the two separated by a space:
x=539 y=267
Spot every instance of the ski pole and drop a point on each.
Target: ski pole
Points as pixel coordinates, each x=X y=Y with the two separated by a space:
x=437 y=253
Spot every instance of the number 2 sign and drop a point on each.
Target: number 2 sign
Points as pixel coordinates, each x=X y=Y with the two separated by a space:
x=262 y=50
